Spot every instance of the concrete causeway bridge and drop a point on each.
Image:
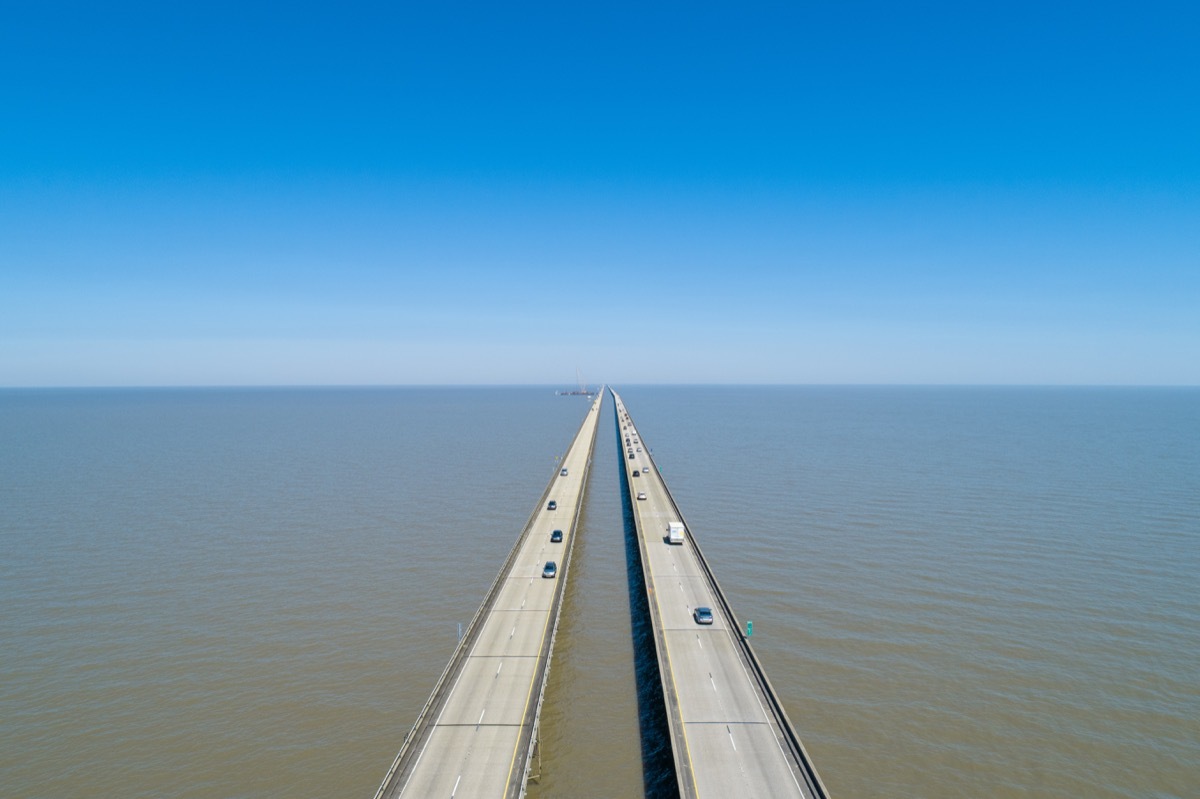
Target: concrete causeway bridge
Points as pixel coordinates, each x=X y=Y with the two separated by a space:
x=730 y=735
x=477 y=734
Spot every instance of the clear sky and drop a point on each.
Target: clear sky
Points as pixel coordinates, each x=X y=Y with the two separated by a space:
x=219 y=193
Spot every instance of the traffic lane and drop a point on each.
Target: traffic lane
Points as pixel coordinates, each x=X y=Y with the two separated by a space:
x=478 y=765
x=534 y=554
x=529 y=565
x=710 y=681
x=511 y=633
x=491 y=690
x=681 y=584
x=528 y=590
x=756 y=770
x=679 y=594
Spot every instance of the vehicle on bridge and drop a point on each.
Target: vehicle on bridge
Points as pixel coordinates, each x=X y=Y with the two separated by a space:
x=550 y=570
x=675 y=533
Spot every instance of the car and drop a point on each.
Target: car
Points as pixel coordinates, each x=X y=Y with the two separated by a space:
x=703 y=615
x=636 y=473
x=552 y=505
x=556 y=537
x=639 y=449
x=641 y=495
x=563 y=473
x=551 y=569
x=632 y=456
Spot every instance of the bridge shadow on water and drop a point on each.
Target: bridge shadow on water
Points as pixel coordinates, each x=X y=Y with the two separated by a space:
x=658 y=764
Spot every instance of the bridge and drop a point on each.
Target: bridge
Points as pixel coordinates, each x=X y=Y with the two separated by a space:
x=476 y=734
x=730 y=735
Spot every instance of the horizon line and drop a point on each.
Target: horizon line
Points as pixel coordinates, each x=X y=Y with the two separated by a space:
x=600 y=386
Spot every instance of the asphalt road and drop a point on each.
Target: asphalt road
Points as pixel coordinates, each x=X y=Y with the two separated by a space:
x=725 y=741
x=474 y=737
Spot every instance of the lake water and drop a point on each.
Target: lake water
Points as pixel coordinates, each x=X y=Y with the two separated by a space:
x=956 y=591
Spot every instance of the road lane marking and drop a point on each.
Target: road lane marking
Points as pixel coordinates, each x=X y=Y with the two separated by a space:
x=498 y=669
x=454 y=790
x=485 y=711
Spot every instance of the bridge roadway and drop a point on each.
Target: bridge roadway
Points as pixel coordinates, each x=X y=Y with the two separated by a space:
x=476 y=734
x=729 y=733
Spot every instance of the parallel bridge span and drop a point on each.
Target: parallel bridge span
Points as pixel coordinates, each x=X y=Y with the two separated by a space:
x=476 y=734
x=730 y=735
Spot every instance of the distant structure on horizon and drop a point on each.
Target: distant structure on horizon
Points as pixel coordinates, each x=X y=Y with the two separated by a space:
x=584 y=390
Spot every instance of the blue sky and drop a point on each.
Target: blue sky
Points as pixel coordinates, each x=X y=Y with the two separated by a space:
x=219 y=194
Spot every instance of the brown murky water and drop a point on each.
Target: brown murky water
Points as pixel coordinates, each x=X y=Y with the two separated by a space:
x=957 y=592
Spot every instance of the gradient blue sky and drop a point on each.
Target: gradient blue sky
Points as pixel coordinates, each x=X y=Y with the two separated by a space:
x=362 y=193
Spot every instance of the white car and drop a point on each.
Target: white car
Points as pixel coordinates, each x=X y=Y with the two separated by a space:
x=641 y=495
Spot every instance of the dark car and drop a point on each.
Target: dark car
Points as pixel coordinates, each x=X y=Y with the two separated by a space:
x=636 y=473
x=703 y=615
x=552 y=506
x=551 y=569
x=556 y=537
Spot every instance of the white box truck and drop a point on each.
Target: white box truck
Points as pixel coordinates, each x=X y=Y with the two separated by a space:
x=675 y=533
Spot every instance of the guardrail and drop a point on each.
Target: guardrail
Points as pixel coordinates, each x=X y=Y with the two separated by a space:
x=791 y=737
